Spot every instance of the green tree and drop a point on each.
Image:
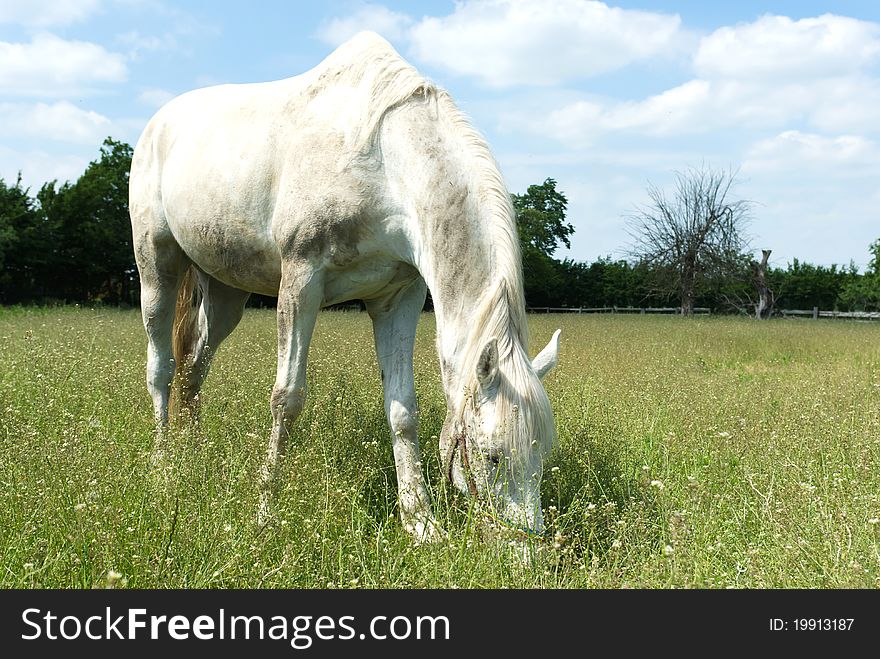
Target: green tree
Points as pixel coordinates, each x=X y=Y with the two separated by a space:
x=604 y=283
x=540 y=220
x=863 y=292
x=20 y=220
x=94 y=259
x=540 y=217
x=542 y=280
x=14 y=206
x=804 y=285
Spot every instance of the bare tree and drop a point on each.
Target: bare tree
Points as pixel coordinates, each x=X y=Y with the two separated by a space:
x=748 y=291
x=693 y=235
x=766 y=299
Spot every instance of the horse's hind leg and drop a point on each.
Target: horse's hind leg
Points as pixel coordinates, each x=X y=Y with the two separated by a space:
x=161 y=266
x=394 y=327
x=299 y=301
x=220 y=311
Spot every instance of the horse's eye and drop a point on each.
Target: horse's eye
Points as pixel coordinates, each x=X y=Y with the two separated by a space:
x=494 y=458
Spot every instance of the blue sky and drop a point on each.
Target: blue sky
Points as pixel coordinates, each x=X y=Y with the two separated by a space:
x=603 y=97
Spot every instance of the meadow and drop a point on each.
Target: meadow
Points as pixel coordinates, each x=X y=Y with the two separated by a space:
x=693 y=453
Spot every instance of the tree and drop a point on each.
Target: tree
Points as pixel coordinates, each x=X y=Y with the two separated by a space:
x=15 y=205
x=20 y=221
x=90 y=218
x=540 y=217
x=864 y=292
x=766 y=299
x=804 y=285
x=540 y=221
x=693 y=236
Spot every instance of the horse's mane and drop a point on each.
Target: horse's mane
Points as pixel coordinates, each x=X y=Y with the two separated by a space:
x=501 y=313
x=369 y=63
x=368 y=60
x=520 y=399
x=498 y=215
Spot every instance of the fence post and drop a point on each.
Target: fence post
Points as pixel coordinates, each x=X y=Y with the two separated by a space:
x=815 y=313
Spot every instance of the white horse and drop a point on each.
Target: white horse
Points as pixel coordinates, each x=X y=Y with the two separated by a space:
x=358 y=179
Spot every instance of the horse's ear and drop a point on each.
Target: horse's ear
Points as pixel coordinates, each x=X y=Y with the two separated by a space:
x=487 y=365
x=548 y=357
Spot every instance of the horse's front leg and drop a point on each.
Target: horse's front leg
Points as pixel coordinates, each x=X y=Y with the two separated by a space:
x=299 y=301
x=394 y=326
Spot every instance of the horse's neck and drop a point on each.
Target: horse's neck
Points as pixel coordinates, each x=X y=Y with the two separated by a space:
x=457 y=267
x=457 y=244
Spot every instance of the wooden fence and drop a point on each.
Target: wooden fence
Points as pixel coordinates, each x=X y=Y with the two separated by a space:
x=631 y=310
x=815 y=313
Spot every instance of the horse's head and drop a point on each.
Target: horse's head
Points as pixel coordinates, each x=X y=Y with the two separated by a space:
x=498 y=432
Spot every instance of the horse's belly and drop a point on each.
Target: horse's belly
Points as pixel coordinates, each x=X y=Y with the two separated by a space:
x=250 y=271
x=369 y=279
x=234 y=253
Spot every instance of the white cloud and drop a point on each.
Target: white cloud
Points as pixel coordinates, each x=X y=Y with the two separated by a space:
x=835 y=104
x=846 y=104
x=793 y=151
x=51 y=66
x=675 y=110
x=794 y=102
x=185 y=30
x=136 y=43
x=45 y=13
x=61 y=121
x=155 y=97
x=390 y=24
x=37 y=166
x=530 y=42
x=688 y=108
x=779 y=48
x=771 y=74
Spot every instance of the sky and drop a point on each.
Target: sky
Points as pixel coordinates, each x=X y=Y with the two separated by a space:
x=605 y=98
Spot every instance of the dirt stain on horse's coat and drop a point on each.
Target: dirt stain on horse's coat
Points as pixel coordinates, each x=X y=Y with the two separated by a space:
x=332 y=228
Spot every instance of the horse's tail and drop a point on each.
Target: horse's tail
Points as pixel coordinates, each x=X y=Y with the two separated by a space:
x=183 y=341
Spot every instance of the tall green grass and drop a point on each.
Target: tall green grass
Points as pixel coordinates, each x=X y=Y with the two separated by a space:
x=709 y=452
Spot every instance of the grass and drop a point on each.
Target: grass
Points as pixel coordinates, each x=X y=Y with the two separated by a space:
x=712 y=452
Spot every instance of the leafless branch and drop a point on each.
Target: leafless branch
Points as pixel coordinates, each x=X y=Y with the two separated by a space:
x=696 y=233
